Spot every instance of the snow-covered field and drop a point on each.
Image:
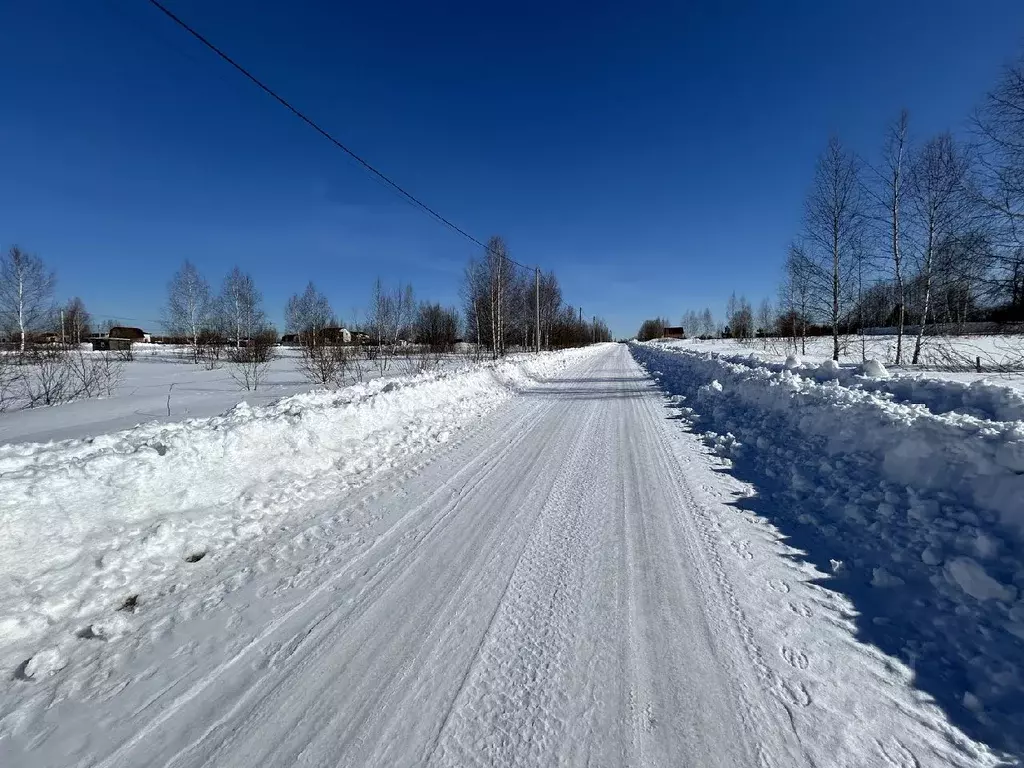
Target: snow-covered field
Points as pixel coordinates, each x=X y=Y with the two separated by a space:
x=162 y=385
x=909 y=490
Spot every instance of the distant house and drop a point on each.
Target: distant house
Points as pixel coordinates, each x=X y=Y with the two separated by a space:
x=328 y=336
x=107 y=343
x=673 y=332
x=126 y=332
x=336 y=336
x=360 y=337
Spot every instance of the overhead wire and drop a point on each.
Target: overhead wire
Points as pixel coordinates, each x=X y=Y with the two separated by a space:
x=393 y=185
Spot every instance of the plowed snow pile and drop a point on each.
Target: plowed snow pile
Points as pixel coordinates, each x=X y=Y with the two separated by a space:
x=982 y=398
x=910 y=492
x=87 y=524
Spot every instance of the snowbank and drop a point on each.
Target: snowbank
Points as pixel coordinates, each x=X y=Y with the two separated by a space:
x=917 y=507
x=85 y=524
x=996 y=350
x=983 y=398
x=162 y=385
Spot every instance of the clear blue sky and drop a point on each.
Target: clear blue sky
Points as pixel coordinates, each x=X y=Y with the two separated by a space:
x=654 y=155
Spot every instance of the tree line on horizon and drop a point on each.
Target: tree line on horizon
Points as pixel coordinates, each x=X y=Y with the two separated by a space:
x=229 y=326
x=927 y=233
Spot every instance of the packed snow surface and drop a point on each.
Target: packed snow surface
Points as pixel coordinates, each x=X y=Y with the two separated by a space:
x=545 y=562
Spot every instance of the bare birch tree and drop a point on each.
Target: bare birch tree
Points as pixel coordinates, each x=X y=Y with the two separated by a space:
x=740 y=318
x=495 y=303
x=999 y=152
x=550 y=303
x=472 y=293
x=1000 y=128
x=498 y=269
x=77 y=322
x=26 y=292
x=766 y=318
x=390 y=317
x=939 y=199
x=188 y=305
x=798 y=287
x=832 y=223
x=307 y=314
x=240 y=306
x=890 y=197
x=707 y=323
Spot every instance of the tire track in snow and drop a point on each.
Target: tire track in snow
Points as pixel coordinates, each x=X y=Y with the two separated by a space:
x=524 y=653
x=693 y=515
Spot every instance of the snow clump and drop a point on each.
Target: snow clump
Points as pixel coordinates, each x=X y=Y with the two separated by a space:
x=967 y=574
x=830 y=367
x=874 y=369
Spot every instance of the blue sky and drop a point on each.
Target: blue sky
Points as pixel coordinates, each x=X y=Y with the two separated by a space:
x=655 y=156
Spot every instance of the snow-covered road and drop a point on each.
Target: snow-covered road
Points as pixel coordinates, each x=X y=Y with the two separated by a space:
x=569 y=584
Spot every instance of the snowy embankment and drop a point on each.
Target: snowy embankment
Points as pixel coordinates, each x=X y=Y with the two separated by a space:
x=85 y=525
x=982 y=398
x=162 y=384
x=998 y=353
x=916 y=507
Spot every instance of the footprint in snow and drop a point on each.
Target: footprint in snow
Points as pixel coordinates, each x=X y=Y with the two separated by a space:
x=794 y=694
x=800 y=610
x=795 y=658
x=778 y=585
x=741 y=549
x=650 y=721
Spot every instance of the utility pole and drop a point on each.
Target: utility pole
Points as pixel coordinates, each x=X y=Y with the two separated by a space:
x=536 y=306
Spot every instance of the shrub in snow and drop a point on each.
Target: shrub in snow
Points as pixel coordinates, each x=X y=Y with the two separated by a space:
x=874 y=369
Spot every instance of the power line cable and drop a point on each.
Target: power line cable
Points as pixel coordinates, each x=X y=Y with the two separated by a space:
x=119 y=318
x=408 y=196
